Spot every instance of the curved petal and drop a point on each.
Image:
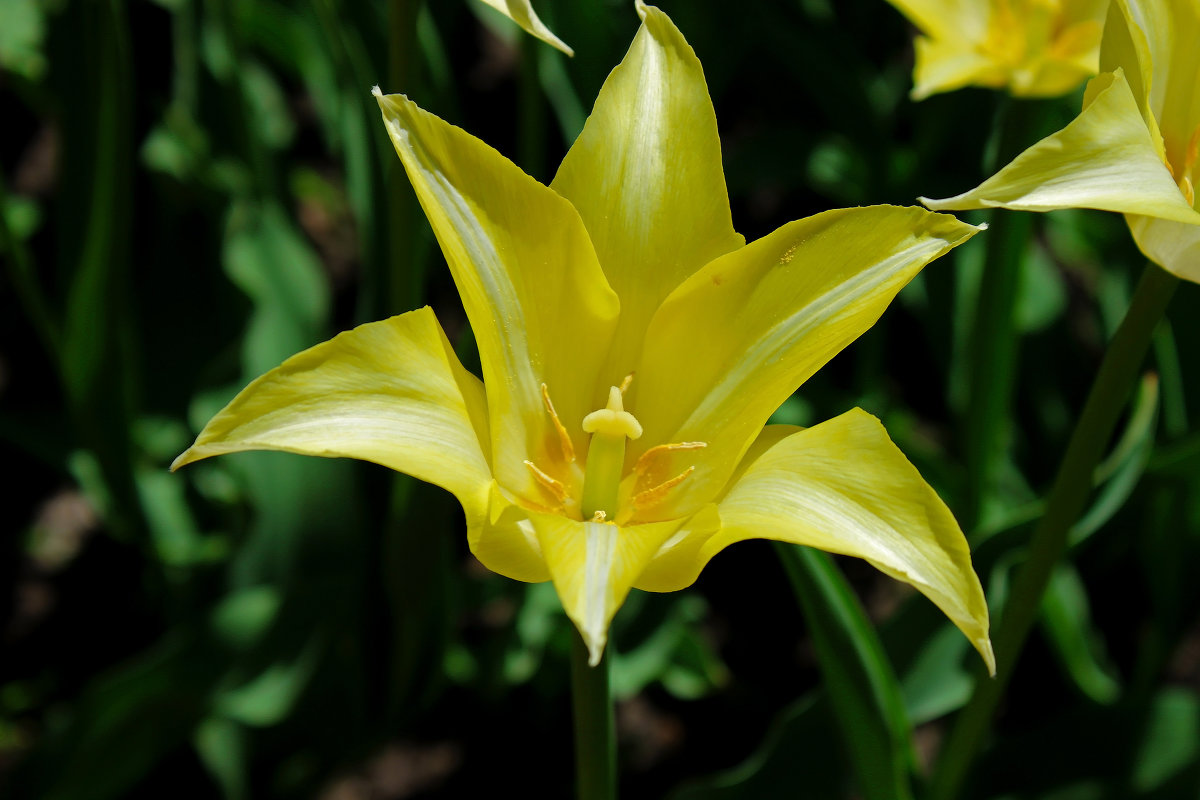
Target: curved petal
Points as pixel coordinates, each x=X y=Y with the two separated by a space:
x=842 y=486
x=505 y=542
x=538 y=302
x=1173 y=246
x=391 y=392
x=737 y=338
x=522 y=13
x=1104 y=159
x=646 y=177
x=594 y=565
x=1166 y=31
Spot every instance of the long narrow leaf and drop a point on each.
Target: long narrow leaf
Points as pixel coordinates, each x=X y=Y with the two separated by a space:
x=862 y=687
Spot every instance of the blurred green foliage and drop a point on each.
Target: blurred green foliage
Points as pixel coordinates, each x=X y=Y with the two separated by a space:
x=192 y=191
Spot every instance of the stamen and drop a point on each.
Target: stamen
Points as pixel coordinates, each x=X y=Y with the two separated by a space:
x=625 y=383
x=652 y=496
x=652 y=465
x=564 y=439
x=1189 y=193
x=599 y=516
x=552 y=486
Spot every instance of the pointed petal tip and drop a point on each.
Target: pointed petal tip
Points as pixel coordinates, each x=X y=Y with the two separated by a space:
x=984 y=646
x=596 y=651
x=375 y=90
x=642 y=9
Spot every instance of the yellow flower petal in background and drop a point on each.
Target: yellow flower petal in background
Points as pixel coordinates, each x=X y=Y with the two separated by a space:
x=1030 y=48
x=1134 y=147
x=1105 y=159
x=646 y=177
x=391 y=392
x=522 y=13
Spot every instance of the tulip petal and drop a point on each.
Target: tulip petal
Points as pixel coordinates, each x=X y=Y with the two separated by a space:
x=949 y=20
x=944 y=65
x=522 y=13
x=1173 y=246
x=537 y=299
x=646 y=177
x=594 y=565
x=391 y=392
x=505 y=542
x=843 y=487
x=1164 y=34
x=1104 y=159
x=730 y=344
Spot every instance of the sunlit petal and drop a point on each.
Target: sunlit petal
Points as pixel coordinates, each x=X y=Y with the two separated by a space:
x=391 y=392
x=594 y=565
x=538 y=302
x=1103 y=159
x=1171 y=31
x=1173 y=245
x=738 y=337
x=504 y=540
x=522 y=13
x=646 y=177
x=842 y=486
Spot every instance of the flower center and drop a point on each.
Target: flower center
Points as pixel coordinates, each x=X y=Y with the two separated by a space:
x=603 y=491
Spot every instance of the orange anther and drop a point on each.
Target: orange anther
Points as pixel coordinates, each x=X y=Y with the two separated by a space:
x=564 y=439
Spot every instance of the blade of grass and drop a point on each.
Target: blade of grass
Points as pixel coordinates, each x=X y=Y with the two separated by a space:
x=862 y=687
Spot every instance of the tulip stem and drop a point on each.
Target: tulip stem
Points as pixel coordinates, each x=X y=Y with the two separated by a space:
x=595 y=732
x=994 y=343
x=1110 y=392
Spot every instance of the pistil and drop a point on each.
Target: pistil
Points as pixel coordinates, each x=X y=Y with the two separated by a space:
x=610 y=427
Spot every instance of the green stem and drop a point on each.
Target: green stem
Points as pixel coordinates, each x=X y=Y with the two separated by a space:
x=994 y=342
x=595 y=732
x=1109 y=394
x=403 y=276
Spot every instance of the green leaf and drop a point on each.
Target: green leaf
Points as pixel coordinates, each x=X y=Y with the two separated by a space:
x=862 y=687
x=1066 y=619
x=1172 y=739
x=269 y=697
x=221 y=745
x=22 y=31
x=797 y=758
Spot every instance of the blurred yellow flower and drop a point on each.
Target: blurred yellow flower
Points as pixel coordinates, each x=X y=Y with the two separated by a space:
x=1030 y=48
x=1133 y=148
x=633 y=347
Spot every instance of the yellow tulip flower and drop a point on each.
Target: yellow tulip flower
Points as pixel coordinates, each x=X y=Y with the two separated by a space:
x=1031 y=48
x=1133 y=148
x=522 y=13
x=632 y=348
